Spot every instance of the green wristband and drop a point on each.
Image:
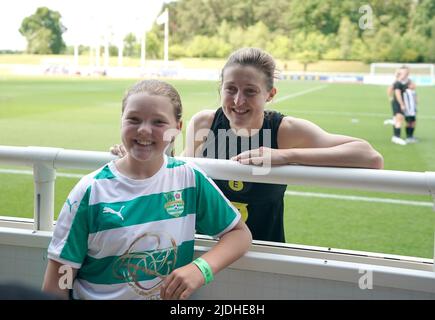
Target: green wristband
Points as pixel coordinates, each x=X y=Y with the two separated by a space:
x=204 y=267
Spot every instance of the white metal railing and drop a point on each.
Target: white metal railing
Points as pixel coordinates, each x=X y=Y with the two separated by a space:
x=45 y=161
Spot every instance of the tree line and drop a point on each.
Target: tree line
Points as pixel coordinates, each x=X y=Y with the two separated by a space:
x=309 y=30
x=400 y=30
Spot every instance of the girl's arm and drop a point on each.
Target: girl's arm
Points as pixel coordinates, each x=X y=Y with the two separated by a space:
x=230 y=247
x=182 y=282
x=55 y=278
x=302 y=142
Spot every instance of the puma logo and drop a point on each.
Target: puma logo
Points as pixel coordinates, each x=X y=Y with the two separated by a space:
x=111 y=211
x=70 y=204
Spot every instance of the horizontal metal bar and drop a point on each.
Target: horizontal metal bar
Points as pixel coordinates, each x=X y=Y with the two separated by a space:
x=354 y=178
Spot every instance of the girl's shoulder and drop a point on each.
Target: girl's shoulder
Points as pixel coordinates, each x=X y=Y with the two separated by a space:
x=175 y=162
x=188 y=167
x=89 y=179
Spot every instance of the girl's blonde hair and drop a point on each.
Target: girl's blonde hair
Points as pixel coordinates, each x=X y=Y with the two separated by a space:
x=156 y=88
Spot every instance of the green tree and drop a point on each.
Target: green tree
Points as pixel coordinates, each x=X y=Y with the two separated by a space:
x=206 y=47
x=131 y=45
x=431 y=46
x=113 y=50
x=306 y=57
x=309 y=48
x=154 y=45
x=414 y=46
x=346 y=35
x=286 y=28
x=424 y=13
x=387 y=13
x=208 y=15
x=315 y=15
x=177 y=51
x=279 y=47
x=256 y=35
x=359 y=50
x=43 y=31
x=274 y=14
x=185 y=23
x=380 y=45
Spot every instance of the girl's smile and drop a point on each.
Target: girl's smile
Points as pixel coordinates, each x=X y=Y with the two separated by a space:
x=145 y=121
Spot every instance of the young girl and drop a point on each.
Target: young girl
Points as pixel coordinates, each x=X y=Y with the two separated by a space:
x=127 y=229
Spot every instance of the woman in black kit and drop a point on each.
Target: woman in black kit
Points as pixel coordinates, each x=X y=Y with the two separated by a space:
x=242 y=130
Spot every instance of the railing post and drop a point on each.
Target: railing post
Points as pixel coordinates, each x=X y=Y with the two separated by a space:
x=430 y=181
x=44 y=178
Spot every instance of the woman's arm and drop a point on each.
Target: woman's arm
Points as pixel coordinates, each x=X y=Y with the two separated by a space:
x=182 y=282
x=196 y=132
x=399 y=99
x=55 y=278
x=390 y=92
x=302 y=142
x=312 y=145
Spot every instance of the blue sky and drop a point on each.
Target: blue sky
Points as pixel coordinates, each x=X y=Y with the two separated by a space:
x=88 y=21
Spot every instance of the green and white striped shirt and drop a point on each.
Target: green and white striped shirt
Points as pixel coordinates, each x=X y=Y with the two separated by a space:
x=125 y=235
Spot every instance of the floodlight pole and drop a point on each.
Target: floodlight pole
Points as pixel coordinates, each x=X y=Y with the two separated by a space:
x=120 y=52
x=97 y=54
x=91 y=60
x=106 y=52
x=166 y=53
x=76 y=56
x=143 y=50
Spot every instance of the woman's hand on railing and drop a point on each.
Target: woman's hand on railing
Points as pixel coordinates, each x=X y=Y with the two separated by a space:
x=263 y=156
x=118 y=150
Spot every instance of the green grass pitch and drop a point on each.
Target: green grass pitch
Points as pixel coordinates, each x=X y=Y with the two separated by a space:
x=78 y=113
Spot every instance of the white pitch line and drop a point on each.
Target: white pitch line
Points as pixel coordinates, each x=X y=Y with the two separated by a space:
x=289 y=96
x=300 y=93
x=358 y=198
x=360 y=114
x=30 y=172
x=287 y=193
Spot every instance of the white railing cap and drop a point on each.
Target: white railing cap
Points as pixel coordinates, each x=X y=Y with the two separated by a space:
x=355 y=178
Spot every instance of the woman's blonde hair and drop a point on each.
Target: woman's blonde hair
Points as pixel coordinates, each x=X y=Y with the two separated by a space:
x=256 y=58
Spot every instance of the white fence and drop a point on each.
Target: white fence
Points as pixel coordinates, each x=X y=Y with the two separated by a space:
x=265 y=272
x=45 y=161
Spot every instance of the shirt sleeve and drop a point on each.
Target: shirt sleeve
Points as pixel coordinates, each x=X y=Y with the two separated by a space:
x=398 y=85
x=69 y=244
x=215 y=214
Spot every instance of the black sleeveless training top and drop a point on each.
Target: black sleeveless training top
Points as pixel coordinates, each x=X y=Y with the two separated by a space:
x=260 y=204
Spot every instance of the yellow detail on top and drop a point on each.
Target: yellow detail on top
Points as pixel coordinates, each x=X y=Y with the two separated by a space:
x=236 y=185
x=243 y=209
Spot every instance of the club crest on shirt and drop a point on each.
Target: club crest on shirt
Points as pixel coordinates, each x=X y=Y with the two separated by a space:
x=174 y=203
